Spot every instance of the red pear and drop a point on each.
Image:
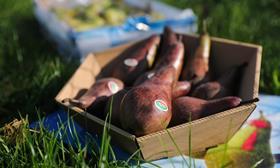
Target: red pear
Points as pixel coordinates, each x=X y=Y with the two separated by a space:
x=132 y=62
x=173 y=56
x=171 y=51
x=187 y=109
x=147 y=108
x=142 y=78
x=99 y=91
x=197 y=66
x=168 y=38
x=209 y=90
x=114 y=105
x=226 y=85
x=97 y=108
x=182 y=88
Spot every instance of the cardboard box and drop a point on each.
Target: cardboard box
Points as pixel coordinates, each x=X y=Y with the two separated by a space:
x=204 y=133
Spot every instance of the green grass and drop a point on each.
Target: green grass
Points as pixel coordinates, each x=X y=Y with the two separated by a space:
x=40 y=148
x=21 y=146
x=32 y=72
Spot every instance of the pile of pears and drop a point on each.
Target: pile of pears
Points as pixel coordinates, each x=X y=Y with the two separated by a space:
x=98 y=13
x=154 y=84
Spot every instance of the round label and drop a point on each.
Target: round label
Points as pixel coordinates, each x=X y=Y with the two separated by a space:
x=113 y=87
x=150 y=75
x=161 y=105
x=131 y=62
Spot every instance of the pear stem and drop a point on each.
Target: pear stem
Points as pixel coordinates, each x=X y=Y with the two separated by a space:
x=69 y=101
x=261 y=114
x=204 y=26
x=249 y=101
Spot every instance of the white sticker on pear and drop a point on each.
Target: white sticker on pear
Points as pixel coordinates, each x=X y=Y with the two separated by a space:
x=113 y=87
x=161 y=105
x=150 y=75
x=131 y=62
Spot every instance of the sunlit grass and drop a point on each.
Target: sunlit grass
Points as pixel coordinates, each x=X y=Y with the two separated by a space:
x=39 y=147
x=31 y=70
